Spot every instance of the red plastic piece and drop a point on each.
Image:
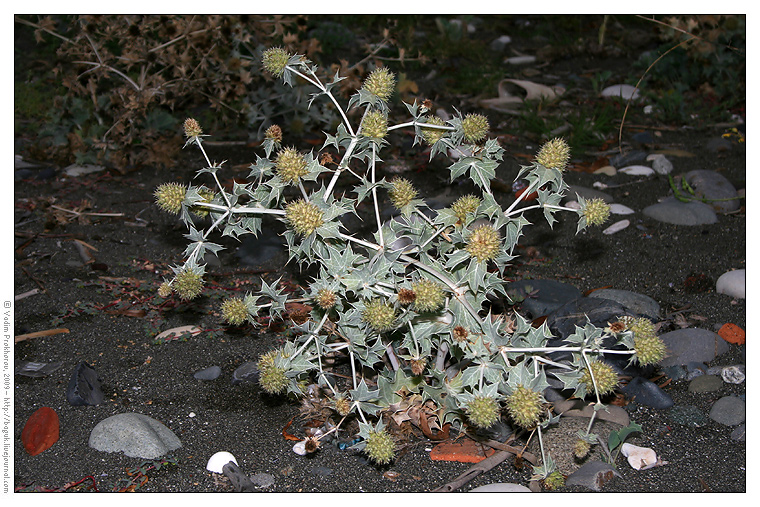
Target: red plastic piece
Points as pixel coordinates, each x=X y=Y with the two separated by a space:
x=40 y=431
x=732 y=334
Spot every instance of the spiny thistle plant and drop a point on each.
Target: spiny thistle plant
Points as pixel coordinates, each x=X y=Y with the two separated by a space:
x=406 y=305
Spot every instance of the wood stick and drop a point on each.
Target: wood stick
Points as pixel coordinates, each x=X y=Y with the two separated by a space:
x=38 y=334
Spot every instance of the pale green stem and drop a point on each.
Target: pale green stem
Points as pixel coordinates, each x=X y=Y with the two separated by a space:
x=415 y=123
x=208 y=162
x=414 y=337
x=520 y=197
x=316 y=82
x=239 y=210
x=374 y=198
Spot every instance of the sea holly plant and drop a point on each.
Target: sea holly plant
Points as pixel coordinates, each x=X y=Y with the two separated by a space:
x=407 y=303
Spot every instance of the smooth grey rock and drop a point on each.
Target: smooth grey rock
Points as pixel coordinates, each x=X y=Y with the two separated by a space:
x=592 y=475
x=673 y=211
x=501 y=487
x=714 y=187
x=34 y=369
x=647 y=393
x=210 y=373
x=675 y=372
x=587 y=193
x=579 y=312
x=541 y=297
x=84 y=386
x=500 y=44
x=660 y=163
x=729 y=411
x=246 y=372
x=705 y=384
x=136 y=435
x=732 y=283
x=240 y=482
x=688 y=415
x=262 y=480
x=692 y=344
x=639 y=303
x=740 y=433
x=628 y=158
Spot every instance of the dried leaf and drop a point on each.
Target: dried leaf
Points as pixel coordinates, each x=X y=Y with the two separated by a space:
x=176 y=332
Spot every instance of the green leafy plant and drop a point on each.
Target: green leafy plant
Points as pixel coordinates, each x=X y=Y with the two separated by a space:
x=407 y=304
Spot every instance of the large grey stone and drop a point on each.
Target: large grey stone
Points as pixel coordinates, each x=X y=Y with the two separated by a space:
x=136 y=435
x=501 y=487
x=715 y=189
x=593 y=475
x=673 y=211
x=690 y=345
x=639 y=303
x=541 y=297
x=729 y=411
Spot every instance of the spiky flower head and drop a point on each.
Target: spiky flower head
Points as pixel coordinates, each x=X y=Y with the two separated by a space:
x=650 y=349
x=464 y=205
x=272 y=378
x=524 y=406
x=554 y=154
x=596 y=211
x=418 y=365
x=379 y=315
x=342 y=405
x=483 y=411
x=188 y=284
x=274 y=133
x=304 y=217
x=459 y=334
x=581 y=447
x=402 y=192
x=274 y=61
x=207 y=195
x=406 y=296
x=234 y=311
x=374 y=124
x=325 y=299
x=192 y=128
x=484 y=243
x=380 y=447
x=380 y=82
x=432 y=135
x=605 y=377
x=290 y=165
x=475 y=127
x=169 y=197
x=429 y=296
x=164 y=290
x=554 y=480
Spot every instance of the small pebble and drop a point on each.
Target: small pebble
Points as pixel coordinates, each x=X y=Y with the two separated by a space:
x=623 y=91
x=501 y=487
x=616 y=227
x=210 y=373
x=732 y=283
x=637 y=170
x=246 y=372
x=732 y=375
x=607 y=170
x=660 y=163
x=740 y=433
x=262 y=480
x=619 y=209
x=705 y=384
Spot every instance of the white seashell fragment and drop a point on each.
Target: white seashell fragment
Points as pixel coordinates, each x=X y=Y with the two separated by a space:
x=599 y=185
x=218 y=460
x=617 y=227
x=520 y=60
x=623 y=91
x=637 y=170
x=608 y=170
x=639 y=457
x=619 y=209
x=300 y=448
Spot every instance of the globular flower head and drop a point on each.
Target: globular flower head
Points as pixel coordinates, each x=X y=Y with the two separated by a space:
x=459 y=334
x=374 y=124
x=605 y=377
x=596 y=211
x=464 y=205
x=380 y=82
x=290 y=165
x=402 y=192
x=650 y=349
x=483 y=411
x=164 y=290
x=475 y=127
x=581 y=447
x=406 y=296
x=272 y=378
x=484 y=243
x=274 y=133
x=429 y=296
x=418 y=365
x=379 y=315
x=380 y=447
x=554 y=154
x=432 y=135
x=188 y=284
x=303 y=217
x=208 y=195
x=192 y=128
x=169 y=197
x=274 y=61
x=326 y=299
x=234 y=311
x=342 y=405
x=554 y=480
x=524 y=406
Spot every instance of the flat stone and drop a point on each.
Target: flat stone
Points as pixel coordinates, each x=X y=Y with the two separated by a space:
x=673 y=211
x=84 y=386
x=501 y=487
x=619 y=209
x=690 y=345
x=210 y=373
x=541 y=297
x=258 y=251
x=705 y=384
x=729 y=411
x=592 y=475
x=641 y=304
x=622 y=91
x=246 y=372
x=241 y=483
x=740 y=433
x=136 y=435
x=262 y=480
x=579 y=408
x=732 y=283
x=660 y=163
x=715 y=188
x=34 y=369
x=647 y=393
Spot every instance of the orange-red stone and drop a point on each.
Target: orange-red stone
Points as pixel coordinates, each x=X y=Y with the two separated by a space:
x=732 y=334
x=466 y=451
x=40 y=431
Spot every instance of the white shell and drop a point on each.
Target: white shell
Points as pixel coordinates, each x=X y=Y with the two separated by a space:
x=624 y=91
x=608 y=170
x=218 y=460
x=616 y=227
x=639 y=457
x=619 y=209
x=300 y=448
x=637 y=170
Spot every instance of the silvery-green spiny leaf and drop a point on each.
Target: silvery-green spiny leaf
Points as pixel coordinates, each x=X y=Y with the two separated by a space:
x=365 y=188
x=570 y=380
x=547 y=198
x=275 y=295
x=443 y=145
x=389 y=388
x=212 y=169
x=412 y=108
x=341 y=140
x=261 y=168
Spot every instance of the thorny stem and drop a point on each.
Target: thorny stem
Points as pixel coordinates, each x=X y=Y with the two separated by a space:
x=198 y=141
x=316 y=82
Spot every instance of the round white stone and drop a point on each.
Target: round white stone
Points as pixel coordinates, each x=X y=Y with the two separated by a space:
x=218 y=460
